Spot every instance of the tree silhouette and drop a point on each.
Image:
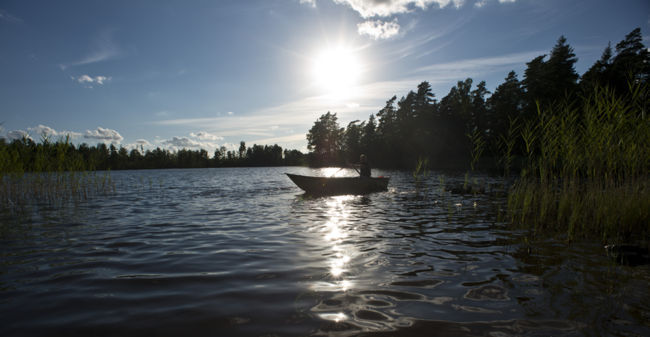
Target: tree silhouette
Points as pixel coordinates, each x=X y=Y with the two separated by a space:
x=325 y=139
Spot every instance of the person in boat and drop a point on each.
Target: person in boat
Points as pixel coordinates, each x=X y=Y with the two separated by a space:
x=364 y=167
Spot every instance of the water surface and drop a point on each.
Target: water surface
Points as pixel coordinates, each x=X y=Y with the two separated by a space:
x=209 y=252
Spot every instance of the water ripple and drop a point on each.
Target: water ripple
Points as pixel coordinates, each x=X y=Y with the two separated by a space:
x=245 y=252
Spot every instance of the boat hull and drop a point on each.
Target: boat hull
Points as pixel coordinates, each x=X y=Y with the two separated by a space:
x=339 y=185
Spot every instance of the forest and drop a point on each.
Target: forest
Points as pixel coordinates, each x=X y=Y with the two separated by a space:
x=473 y=128
x=25 y=155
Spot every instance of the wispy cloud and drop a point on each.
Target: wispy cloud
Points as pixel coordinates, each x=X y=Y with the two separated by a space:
x=286 y=124
x=378 y=29
x=103 y=48
x=181 y=142
x=308 y=2
x=386 y=8
x=480 y=3
x=104 y=134
x=7 y=17
x=203 y=135
x=463 y=68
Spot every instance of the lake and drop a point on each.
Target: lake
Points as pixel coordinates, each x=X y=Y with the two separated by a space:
x=243 y=252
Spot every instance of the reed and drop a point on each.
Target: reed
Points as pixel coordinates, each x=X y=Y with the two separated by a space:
x=477 y=147
x=46 y=174
x=506 y=144
x=420 y=174
x=586 y=170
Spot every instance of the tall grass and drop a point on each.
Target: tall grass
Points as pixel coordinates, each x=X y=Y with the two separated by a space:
x=587 y=168
x=55 y=177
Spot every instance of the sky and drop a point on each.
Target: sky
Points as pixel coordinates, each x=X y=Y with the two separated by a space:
x=206 y=74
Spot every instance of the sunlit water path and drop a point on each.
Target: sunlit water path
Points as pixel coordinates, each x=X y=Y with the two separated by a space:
x=243 y=252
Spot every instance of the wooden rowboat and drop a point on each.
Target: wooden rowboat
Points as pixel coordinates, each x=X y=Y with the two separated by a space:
x=339 y=185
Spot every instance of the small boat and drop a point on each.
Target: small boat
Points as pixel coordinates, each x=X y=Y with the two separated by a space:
x=339 y=185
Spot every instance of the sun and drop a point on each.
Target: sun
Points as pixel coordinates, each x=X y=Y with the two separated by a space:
x=336 y=71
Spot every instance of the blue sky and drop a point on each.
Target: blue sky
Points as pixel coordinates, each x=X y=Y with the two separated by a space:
x=202 y=74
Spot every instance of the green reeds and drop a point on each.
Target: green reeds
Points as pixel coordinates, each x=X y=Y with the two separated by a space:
x=53 y=188
x=587 y=169
x=506 y=144
x=477 y=147
x=46 y=174
x=421 y=170
x=420 y=173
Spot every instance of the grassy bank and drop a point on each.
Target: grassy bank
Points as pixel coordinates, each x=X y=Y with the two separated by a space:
x=586 y=172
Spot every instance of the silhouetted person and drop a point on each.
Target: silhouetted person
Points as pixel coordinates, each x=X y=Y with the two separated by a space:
x=364 y=167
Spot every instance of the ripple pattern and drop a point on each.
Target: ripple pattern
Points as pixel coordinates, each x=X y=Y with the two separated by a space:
x=243 y=252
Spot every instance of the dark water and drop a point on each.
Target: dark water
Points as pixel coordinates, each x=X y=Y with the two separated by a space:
x=242 y=252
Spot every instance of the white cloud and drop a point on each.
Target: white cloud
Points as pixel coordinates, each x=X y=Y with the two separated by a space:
x=42 y=132
x=89 y=80
x=18 y=134
x=378 y=29
x=203 y=135
x=103 y=134
x=480 y=3
x=48 y=132
x=386 y=8
x=142 y=142
x=181 y=142
x=197 y=140
x=139 y=144
x=507 y=1
x=309 y=2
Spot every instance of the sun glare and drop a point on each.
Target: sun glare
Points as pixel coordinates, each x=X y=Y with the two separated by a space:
x=336 y=71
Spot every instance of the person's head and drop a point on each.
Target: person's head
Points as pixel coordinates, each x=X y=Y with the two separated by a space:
x=362 y=158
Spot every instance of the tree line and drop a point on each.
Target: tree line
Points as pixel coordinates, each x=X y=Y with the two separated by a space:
x=25 y=155
x=472 y=127
x=469 y=127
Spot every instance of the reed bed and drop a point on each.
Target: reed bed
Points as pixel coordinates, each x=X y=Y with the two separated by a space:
x=586 y=171
x=54 y=188
x=46 y=174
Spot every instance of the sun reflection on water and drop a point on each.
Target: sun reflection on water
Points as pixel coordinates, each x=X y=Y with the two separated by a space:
x=336 y=233
x=336 y=317
x=335 y=172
